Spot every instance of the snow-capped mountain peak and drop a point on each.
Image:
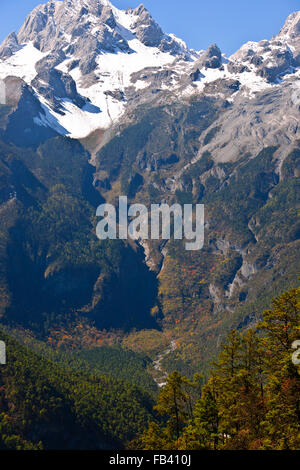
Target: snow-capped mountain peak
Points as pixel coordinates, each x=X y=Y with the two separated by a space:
x=86 y=61
x=291 y=28
x=77 y=52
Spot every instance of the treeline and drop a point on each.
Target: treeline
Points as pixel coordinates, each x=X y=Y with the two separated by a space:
x=251 y=400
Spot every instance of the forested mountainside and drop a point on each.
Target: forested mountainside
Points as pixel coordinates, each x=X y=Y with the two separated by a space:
x=56 y=272
x=55 y=400
x=51 y=403
x=53 y=264
x=95 y=103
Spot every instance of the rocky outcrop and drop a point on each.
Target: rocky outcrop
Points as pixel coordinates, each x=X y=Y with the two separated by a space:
x=150 y=33
x=236 y=67
x=25 y=122
x=54 y=85
x=225 y=87
x=291 y=32
x=146 y=29
x=50 y=61
x=9 y=46
x=268 y=119
x=270 y=59
x=291 y=27
x=57 y=26
x=212 y=58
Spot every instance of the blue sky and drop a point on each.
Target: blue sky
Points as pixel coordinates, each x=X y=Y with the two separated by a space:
x=229 y=23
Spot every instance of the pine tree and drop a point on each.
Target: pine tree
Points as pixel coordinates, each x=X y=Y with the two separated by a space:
x=203 y=431
x=174 y=401
x=281 y=326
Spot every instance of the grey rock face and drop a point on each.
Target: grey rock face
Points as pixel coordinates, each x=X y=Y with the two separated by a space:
x=111 y=41
x=49 y=26
x=108 y=18
x=235 y=67
x=195 y=75
x=291 y=27
x=297 y=57
x=151 y=34
x=50 y=61
x=20 y=125
x=291 y=31
x=155 y=77
x=35 y=23
x=146 y=29
x=72 y=65
x=9 y=46
x=54 y=84
x=225 y=87
x=168 y=44
x=87 y=65
x=275 y=58
x=212 y=58
x=280 y=63
x=269 y=119
x=118 y=95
